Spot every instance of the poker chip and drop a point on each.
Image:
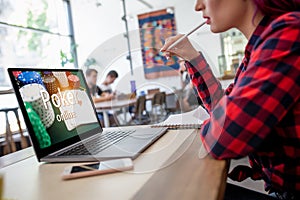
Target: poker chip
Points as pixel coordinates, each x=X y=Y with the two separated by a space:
x=31 y=94
x=51 y=84
x=39 y=129
x=16 y=73
x=74 y=81
x=62 y=79
x=47 y=73
x=30 y=77
x=68 y=73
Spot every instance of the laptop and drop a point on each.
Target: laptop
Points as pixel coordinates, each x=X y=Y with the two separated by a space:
x=62 y=121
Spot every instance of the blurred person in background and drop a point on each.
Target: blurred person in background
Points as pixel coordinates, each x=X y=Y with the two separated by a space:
x=98 y=95
x=110 y=78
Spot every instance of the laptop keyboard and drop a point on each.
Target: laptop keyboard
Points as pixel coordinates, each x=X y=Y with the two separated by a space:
x=98 y=144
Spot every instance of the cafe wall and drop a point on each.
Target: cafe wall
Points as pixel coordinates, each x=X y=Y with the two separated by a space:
x=99 y=35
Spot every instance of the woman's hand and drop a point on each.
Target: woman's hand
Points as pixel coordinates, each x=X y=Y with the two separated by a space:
x=183 y=49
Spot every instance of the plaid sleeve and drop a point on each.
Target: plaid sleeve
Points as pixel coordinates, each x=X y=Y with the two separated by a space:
x=262 y=95
x=207 y=85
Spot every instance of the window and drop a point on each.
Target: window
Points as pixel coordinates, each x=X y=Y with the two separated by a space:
x=35 y=33
x=233 y=43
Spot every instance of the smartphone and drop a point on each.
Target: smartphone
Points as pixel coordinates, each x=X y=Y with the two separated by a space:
x=104 y=167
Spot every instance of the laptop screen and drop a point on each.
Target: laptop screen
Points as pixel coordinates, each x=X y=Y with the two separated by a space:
x=57 y=104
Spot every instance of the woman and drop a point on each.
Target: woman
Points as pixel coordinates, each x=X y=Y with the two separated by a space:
x=259 y=114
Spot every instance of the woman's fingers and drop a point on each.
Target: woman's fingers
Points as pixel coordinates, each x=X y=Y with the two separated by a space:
x=173 y=52
x=169 y=52
x=169 y=41
x=183 y=49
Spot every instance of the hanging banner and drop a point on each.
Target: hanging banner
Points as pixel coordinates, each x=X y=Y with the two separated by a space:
x=155 y=27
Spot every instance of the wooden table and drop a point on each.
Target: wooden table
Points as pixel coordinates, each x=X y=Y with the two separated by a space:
x=113 y=105
x=169 y=169
x=187 y=178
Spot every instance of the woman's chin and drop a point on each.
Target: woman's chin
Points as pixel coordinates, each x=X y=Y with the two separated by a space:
x=216 y=29
x=213 y=29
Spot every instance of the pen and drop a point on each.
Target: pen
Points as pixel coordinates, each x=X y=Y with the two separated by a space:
x=185 y=36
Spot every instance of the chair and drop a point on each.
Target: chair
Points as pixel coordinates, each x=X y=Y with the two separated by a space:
x=121 y=115
x=140 y=115
x=10 y=145
x=158 y=106
x=234 y=192
x=172 y=104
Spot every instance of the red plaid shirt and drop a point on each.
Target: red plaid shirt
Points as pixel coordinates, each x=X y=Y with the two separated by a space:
x=259 y=114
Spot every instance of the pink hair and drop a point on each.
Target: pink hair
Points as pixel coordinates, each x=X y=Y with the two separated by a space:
x=277 y=7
